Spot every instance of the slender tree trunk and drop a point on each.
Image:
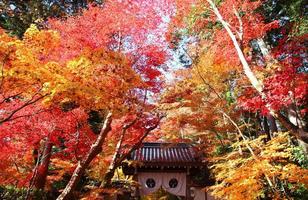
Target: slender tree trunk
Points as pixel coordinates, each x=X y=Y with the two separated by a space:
x=260 y=129
x=272 y=124
x=268 y=58
x=266 y=128
x=294 y=117
x=247 y=70
x=118 y=160
x=263 y=48
x=113 y=164
x=42 y=171
x=95 y=149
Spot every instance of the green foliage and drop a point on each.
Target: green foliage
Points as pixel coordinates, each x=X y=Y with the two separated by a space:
x=222 y=149
x=299 y=156
x=293 y=11
x=301 y=26
x=291 y=8
x=230 y=99
x=179 y=99
x=299 y=191
x=17 y=16
x=13 y=193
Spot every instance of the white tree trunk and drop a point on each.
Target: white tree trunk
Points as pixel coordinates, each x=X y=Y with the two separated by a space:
x=253 y=79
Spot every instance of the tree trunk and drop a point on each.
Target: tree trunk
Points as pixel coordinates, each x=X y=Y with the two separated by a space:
x=294 y=116
x=247 y=70
x=112 y=167
x=263 y=48
x=42 y=170
x=95 y=149
x=114 y=162
x=266 y=128
x=272 y=124
x=117 y=161
x=259 y=125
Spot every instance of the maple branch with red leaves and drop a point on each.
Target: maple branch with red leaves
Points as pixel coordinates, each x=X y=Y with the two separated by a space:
x=31 y=101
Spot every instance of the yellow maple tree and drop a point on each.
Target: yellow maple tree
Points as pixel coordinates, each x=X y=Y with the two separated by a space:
x=98 y=79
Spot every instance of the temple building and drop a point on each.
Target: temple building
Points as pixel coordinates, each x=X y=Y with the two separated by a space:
x=179 y=169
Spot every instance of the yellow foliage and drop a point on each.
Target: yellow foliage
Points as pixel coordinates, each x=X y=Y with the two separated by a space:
x=205 y=72
x=59 y=169
x=41 y=42
x=99 y=79
x=200 y=99
x=242 y=176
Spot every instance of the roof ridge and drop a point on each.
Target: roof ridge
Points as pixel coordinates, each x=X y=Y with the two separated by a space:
x=165 y=152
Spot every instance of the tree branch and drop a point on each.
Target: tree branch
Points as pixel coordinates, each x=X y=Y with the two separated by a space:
x=29 y=102
x=95 y=149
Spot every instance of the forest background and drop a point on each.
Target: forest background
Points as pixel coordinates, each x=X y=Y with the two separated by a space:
x=84 y=83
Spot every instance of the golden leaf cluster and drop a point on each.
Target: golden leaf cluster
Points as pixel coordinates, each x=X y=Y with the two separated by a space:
x=240 y=175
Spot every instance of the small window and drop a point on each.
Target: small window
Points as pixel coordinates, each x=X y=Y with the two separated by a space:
x=150 y=183
x=173 y=183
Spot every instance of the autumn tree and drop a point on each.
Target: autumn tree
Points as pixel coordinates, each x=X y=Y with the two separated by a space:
x=69 y=85
x=120 y=36
x=38 y=83
x=82 y=63
x=32 y=135
x=241 y=23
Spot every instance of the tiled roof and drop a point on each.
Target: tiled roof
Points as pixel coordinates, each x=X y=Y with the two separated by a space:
x=165 y=154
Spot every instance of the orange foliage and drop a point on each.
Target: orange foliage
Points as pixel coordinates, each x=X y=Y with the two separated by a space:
x=241 y=176
x=88 y=80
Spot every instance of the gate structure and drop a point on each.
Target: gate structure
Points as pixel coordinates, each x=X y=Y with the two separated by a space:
x=177 y=168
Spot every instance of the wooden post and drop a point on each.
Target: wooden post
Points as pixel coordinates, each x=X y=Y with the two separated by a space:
x=188 y=185
x=137 y=191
